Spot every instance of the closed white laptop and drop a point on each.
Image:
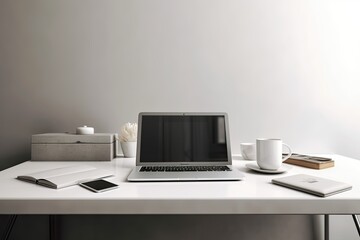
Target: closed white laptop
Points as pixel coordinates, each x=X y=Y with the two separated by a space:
x=183 y=147
x=315 y=185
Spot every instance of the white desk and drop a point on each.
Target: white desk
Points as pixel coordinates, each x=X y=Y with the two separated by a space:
x=254 y=195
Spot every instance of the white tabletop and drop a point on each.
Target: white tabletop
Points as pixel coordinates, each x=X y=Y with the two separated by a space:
x=255 y=195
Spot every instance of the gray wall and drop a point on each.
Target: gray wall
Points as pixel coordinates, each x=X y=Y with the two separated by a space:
x=287 y=69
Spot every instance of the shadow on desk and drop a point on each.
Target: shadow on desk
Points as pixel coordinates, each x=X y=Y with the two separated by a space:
x=165 y=227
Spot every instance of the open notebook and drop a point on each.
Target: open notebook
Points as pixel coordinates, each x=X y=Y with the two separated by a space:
x=66 y=176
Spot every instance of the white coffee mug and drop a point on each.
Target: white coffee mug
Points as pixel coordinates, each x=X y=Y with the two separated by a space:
x=269 y=153
x=248 y=151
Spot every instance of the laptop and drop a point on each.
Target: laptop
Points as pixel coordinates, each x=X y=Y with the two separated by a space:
x=183 y=147
x=321 y=187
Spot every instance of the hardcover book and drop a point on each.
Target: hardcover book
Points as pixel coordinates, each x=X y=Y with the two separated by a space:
x=310 y=161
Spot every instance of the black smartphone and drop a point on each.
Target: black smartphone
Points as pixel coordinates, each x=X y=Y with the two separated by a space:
x=99 y=185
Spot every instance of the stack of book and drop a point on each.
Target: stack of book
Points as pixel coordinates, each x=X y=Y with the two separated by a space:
x=310 y=161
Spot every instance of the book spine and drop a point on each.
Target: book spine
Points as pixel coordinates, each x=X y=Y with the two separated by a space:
x=310 y=164
x=303 y=163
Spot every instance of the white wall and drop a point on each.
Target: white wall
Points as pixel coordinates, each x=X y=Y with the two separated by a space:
x=279 y=68
x=287 y=69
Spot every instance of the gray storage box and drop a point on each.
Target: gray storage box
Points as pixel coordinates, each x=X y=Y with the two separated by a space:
x=72 y=147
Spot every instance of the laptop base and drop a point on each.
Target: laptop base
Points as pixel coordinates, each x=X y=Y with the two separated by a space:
x=137 y=176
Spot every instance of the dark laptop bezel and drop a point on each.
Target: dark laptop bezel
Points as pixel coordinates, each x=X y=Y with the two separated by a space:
x=212 y=163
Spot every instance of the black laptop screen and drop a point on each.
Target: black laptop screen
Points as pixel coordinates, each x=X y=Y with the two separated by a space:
x=183 y=139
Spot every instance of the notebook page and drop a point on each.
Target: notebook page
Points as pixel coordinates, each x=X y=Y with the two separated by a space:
x=60 y=171
x=75 y=178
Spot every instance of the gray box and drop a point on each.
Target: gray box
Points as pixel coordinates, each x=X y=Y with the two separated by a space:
x=72 y=147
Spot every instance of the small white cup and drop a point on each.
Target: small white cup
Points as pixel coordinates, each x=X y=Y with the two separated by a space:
x=248 y=151
x=85 y=130
x=269 y=153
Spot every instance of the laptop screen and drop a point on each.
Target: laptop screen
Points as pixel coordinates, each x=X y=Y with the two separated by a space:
x=183 y=138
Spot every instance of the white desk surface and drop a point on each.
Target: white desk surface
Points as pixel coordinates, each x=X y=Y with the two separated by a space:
x=255 y=195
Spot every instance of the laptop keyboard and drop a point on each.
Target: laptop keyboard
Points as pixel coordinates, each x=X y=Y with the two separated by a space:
x=185 y=169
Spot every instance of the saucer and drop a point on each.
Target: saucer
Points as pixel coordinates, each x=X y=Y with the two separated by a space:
x=255 y=167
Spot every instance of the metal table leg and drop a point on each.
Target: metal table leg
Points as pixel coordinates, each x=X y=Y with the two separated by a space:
x=326 y=227
x=54 y=233
x=9 y=227
x=357 y=224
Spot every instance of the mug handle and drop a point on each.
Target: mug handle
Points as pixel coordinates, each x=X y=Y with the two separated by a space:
x=289 y=154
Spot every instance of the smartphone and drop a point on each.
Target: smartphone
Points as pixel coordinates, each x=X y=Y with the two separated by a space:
x=99 y=185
